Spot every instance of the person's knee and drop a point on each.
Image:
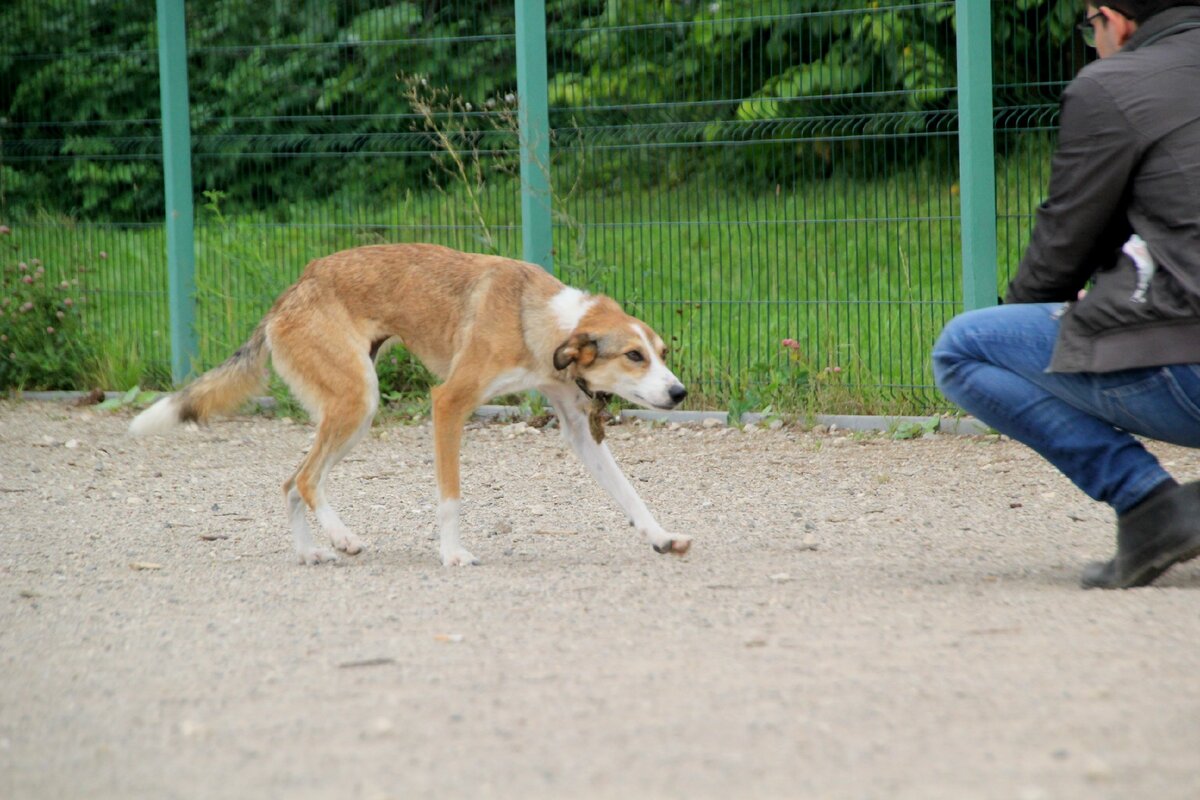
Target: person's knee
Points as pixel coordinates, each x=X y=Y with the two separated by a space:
x=967 y=342
x=950 y=350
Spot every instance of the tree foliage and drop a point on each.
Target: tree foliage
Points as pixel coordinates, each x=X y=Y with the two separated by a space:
x=292 y=101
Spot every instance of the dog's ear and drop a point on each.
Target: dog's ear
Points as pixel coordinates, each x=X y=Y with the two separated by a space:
x=580 y=348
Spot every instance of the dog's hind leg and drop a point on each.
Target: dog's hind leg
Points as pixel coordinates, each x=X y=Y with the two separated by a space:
x=302 y=538
x=341 y=442
x=453 y=403
x=344 y=406
x=343 y=423
x=603 y=467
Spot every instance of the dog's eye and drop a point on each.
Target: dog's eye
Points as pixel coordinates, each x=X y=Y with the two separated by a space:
x=634 y=356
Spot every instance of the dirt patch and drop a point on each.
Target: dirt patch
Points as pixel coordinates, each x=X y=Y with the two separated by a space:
x=859 y=617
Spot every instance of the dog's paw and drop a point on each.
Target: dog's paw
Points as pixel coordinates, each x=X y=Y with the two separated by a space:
x=676 y=545
x=347 y=542
x=316 y=555
x=458 y=558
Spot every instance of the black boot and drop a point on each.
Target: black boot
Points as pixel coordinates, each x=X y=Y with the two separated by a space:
x=1163 y=531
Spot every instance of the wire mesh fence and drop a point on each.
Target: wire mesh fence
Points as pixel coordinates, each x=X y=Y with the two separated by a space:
x=775 y=202
x=772 y=185
x=1029 y=82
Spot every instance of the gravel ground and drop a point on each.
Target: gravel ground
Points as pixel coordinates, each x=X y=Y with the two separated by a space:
x=858 y=617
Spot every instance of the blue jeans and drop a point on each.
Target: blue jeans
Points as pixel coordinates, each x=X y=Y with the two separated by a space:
x=992 y=363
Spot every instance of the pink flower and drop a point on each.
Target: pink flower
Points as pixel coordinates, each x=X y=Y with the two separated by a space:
x=59 y=314
x=103 y=254
x=49 y=329
x=68 y=302
x=791 y=344
x=5 y=230
x=28 y=279
x=27 y=306
x=22 y=266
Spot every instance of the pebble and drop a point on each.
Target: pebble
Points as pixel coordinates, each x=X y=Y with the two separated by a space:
x=191 y=729
x=378 y=727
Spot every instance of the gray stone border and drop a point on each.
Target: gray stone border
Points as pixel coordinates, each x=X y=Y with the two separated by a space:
x=959 y=426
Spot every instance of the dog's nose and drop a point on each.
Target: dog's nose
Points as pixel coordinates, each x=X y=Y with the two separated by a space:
x=677 y=393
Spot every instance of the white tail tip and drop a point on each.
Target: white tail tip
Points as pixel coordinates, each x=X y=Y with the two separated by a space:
x=160 y=417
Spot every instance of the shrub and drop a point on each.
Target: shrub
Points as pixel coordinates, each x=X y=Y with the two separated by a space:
x=402 y=378
x=44 y=342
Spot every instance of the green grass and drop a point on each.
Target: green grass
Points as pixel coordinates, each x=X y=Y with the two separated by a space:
x=862 y=273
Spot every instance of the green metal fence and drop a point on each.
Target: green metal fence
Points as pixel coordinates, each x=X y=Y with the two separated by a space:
x=773 y=185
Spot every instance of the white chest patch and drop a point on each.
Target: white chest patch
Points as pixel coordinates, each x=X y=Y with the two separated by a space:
x=569 y=306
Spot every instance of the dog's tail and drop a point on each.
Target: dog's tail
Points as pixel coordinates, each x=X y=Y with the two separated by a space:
x=218 y=391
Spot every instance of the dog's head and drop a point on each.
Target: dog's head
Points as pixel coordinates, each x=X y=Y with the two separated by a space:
x=614 y=353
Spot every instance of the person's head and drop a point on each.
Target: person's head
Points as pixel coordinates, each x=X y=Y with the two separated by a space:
x=1108 y=26
x=1112 y=23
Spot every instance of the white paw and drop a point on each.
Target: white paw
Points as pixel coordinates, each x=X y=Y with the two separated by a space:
x=458 y=557
x=676 y=544
x=316 y=555
x=347 y=542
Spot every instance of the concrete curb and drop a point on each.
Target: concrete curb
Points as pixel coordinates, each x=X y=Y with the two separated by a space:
x=962 y=426
x=957 y=426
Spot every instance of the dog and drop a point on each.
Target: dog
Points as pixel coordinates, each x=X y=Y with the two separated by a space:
x=484 y=325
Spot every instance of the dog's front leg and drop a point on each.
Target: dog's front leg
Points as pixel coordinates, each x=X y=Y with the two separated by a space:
x=600 y=463
x=451 y=407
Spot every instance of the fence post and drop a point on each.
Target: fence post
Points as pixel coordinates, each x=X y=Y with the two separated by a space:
x=533 y=119
x=177 y=180
x=976 y=154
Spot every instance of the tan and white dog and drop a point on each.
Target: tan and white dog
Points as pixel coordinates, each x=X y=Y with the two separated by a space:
x=485 y=325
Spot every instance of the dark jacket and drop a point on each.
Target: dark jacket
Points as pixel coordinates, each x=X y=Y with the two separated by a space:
x=1128 y=161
